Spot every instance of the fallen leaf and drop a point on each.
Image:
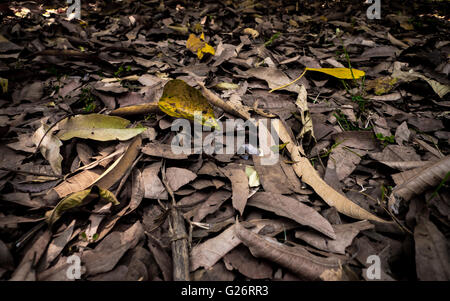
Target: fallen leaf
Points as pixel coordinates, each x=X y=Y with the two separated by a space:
x=199 y=46
x=178 y=177
x=293 y=209
x=242 y=260
x=183 y=101
x=153 y=187
x=111 y=249
x=432 y=257
x=78 y=199
x=309 y=175
x=96 y=127
x=239 y=185
x=49 y=147
x=429 y=177
x=345 y=234
x=296 y=259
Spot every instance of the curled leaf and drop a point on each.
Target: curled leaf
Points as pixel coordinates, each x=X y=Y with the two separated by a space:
x=78 y=199
x=309 y=175
x=297 y=259
x=426 y=178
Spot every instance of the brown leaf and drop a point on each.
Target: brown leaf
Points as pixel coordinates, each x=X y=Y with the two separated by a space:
x=178 y=177
x=428 y=177
x=162 y=258
x=211 y=251
x=153 y=187
x=296 y=259
x=25 y=270
x=432 y=256
x=309 y=175
x=211 y=204
x=345 y=234
x=293 y=209
x=162 y=150
x=115 y=172
x=109 y=251
x=240 y=258
x=239 y=184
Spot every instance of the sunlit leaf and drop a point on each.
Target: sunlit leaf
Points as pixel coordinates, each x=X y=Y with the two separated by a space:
x=341 y=73
x=199 y=46
x=78 y=199
x=183 y=101
x=96 y=127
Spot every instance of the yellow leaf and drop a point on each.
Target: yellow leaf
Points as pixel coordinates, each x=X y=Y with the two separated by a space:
x=199 y=46
x=4 y=84
x=254 y=33
x=182 y=101
x=341 y=73
x=78 y=199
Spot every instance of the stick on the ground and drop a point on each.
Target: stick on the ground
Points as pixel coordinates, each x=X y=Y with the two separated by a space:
x=180 y=251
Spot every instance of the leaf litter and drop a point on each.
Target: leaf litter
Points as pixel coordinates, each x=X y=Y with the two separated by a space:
x=87 y=167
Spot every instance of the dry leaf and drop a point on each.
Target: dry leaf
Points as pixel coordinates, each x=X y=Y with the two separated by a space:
x=199 y=46
x=296 y=259
x=309 y=175
x=239 y=185
x=429 y=177
x=49 y=147
x=183 y=101
x=96 y=127
x=293 y=209
x=345 y=234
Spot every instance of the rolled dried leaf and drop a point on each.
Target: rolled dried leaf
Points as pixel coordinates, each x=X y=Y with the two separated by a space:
x=296 y=259
x=309 y=175
x=426 y=179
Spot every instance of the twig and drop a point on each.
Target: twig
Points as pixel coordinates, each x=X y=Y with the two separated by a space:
x=180 y=252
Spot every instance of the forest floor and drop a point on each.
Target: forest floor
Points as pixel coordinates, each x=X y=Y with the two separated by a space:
x=91 y=187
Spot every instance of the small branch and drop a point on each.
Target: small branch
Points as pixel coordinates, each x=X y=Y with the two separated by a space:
x=180 y=251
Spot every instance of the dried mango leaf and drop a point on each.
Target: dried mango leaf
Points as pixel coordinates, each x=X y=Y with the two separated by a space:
x=211 y=251
x=293 y=209
x=116 y=171
x=198 y=45
x=183 y=101
x=309 y=175
x=49 y=147
x=410 y=76
x=429 y=177
x=341 y=73
x=296 y=259
x=78 y=199
x=96 y=127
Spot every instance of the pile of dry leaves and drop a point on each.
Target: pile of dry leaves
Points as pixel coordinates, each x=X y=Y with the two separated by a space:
x=88 y=175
